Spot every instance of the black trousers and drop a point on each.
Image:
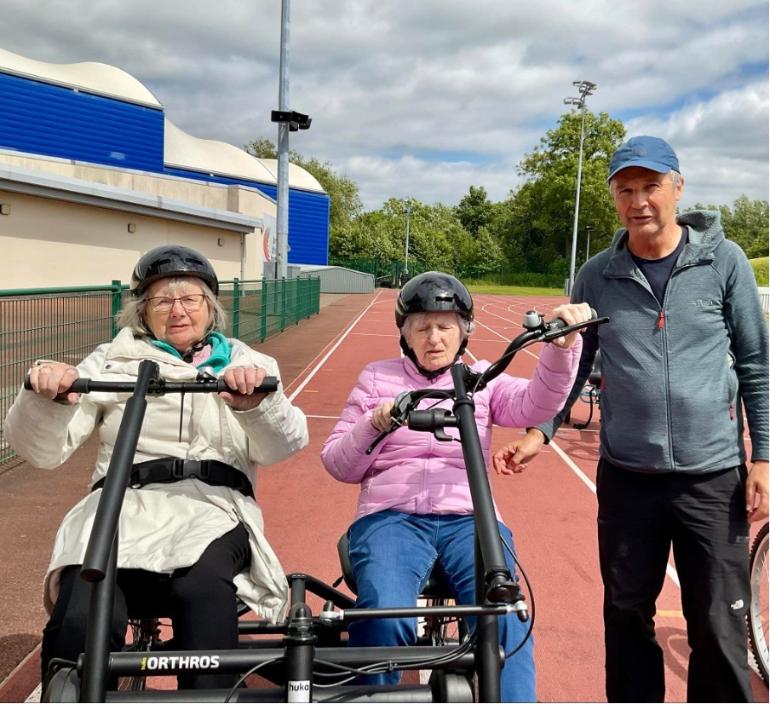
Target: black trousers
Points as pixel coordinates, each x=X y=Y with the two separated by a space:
x=200 y=600
x=703 y=516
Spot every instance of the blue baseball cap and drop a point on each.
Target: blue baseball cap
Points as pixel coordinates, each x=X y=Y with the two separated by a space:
x=648 y=152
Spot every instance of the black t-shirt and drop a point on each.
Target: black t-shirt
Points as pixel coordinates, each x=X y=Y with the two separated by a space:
x=658 y=271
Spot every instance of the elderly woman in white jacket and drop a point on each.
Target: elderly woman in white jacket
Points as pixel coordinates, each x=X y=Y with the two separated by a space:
x=186 y=544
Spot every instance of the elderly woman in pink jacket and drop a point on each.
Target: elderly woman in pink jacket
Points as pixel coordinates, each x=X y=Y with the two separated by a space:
x=415 y=505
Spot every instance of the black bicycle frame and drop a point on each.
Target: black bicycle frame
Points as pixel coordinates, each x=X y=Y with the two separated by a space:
x=497 y=592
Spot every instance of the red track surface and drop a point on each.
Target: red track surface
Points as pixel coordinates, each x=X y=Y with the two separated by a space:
x=550 y=507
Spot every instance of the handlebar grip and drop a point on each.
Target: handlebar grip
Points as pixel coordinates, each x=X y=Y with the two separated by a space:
x=79 y=386
x=558 y=323
x=268 y=385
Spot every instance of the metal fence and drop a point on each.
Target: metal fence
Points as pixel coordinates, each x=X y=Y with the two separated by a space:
x=66 y=324
x=386 y=272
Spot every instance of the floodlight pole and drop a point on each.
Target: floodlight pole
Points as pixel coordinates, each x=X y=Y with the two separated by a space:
x=585 y=88
x=282 y=219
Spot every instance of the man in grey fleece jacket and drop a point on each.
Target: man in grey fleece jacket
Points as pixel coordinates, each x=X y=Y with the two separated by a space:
x=685 y=345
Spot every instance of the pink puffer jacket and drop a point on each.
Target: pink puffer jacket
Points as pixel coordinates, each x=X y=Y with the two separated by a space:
x=413 y=472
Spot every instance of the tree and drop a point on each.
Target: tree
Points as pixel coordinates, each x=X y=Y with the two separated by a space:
x=474 y=210
x=433 y=231
x=371 y=235
x=478 y=255
x=747 y=225
x=539 y=221
x=262 y=148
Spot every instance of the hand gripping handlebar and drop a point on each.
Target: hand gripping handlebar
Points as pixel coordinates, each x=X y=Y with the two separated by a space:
x=159 y=387
x=537 y=329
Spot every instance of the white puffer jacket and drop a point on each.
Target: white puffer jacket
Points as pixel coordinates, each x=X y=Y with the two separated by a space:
x=164 y=527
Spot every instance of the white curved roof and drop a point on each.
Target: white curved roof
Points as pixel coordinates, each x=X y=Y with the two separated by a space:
x=182 y=150
x=90 y=76
x=298 y=177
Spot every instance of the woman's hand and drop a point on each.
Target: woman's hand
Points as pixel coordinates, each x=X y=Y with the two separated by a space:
x=381 y=418
x=572 y=314
x=242 y=381
x=52 y=379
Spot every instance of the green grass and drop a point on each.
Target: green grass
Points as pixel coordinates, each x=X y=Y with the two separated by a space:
x=496 y=290
x=760 y=265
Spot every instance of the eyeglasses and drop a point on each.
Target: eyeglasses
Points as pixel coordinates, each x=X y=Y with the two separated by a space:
x=190 y=303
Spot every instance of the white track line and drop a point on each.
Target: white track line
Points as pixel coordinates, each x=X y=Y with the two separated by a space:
x=323 y=360
x=670 y=571
x=501 y=336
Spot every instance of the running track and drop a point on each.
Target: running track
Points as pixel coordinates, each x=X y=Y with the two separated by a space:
x=550 y=507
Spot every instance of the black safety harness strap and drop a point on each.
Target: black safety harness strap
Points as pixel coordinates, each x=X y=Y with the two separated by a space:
x=172 y=469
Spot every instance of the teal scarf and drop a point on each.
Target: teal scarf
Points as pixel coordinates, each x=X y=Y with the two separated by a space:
x=220 y=351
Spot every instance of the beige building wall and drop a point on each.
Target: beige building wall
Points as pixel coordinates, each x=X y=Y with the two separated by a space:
x=46 y=242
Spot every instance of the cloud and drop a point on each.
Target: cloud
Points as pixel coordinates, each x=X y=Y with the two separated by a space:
x=425 y=99
x=722 y=144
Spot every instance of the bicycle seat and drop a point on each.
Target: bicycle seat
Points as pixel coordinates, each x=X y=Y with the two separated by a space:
x=436 y=587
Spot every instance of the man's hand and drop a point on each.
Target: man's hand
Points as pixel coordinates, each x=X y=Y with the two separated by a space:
x=513 y=458
x=242 y=381
x=756 y=491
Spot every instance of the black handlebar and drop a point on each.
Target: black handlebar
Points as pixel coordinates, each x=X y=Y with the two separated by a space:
x=159 y=387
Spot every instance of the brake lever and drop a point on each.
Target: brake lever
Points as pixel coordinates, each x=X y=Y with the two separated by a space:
x=398 y=416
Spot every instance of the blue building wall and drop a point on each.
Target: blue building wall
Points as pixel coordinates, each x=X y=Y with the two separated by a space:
x=308 y=216
x=308 y=213
x=43 y=118
x=58 y=121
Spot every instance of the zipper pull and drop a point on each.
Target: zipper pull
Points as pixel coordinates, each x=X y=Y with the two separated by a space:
x=661 y=319
x=732 y=411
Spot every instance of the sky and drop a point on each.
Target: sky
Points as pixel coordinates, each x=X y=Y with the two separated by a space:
x=424 y=99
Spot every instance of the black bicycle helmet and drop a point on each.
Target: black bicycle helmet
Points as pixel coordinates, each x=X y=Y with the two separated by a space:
x=172 y=260
x=433 y=291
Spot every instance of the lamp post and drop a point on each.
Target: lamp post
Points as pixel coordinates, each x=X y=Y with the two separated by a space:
x=288 y=121
x=406 y=242
x=585 y=88
x=588 y=240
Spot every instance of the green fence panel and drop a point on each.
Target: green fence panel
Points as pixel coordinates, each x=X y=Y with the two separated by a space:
x=62 y=324
x=67 y=324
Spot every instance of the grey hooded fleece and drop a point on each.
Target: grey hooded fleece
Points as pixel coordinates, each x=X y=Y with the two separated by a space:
x=672 y=376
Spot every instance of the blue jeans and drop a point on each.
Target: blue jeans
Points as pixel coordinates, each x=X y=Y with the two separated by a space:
x=392 y=554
